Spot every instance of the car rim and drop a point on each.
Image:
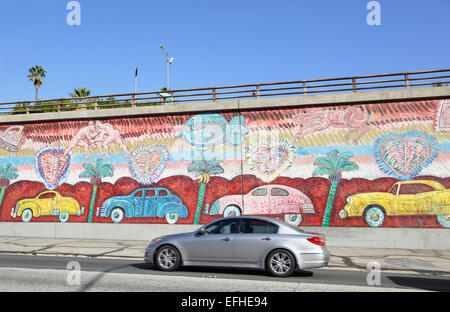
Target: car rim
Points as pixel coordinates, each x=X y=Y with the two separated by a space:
x=167 y=258
x=231 y=212
x=26 y=215
x=374 y=217
x=117 y=215
x=280 y=263
x=172 y=218
x=444 y=220
x=63 y=217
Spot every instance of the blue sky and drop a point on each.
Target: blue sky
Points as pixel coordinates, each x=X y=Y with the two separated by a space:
x=213 y=42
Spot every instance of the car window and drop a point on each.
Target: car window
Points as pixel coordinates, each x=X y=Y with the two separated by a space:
x=223 y=227
x=150 y=193
x=415 y=188
x=260 y=192
x=257 y=227
x=138 y=194
x=162 y=193
x=393 y=189
x=293 y=227
x=276 y=191
x=47 y=196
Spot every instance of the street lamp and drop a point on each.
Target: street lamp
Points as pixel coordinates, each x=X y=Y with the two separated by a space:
x=168 y=62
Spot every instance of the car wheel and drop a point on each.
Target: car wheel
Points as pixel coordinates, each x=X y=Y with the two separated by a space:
x=167 y=258
x=172 y=217
x=374 y=217
x=293 y=218
x=27 y=214
x=444 y=220
x=280 y=263
x=63 y=217
x=116 y=215
x=231 y=211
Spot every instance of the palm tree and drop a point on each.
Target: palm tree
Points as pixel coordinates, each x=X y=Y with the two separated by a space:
x=332 y=166
x=35 y=76
x=204 y=169
x=7 y=173
x=95 y=174
x=80 y=93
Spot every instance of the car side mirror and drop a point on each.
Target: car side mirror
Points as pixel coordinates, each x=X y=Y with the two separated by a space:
x=201 y=232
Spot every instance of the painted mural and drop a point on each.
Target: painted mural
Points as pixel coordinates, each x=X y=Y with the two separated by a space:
x=368 y=165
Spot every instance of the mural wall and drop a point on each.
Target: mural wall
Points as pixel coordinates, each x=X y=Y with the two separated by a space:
x=371 y=165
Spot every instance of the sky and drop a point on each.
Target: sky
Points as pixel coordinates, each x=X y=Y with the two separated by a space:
x=214 y=43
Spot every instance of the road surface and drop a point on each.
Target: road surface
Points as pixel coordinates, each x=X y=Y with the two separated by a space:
x=20 y=273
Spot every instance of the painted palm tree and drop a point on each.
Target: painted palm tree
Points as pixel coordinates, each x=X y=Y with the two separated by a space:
x=204 y=169
x=36 y=74
x=332 y=166
x=95 y=174
x=7 y=173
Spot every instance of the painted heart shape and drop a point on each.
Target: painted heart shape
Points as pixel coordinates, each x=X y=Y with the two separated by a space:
x=268 y=160
x=405 y=155
x=148 y=163
x=52 y=166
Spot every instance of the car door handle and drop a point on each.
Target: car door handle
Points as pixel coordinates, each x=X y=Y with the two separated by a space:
x=266 y=238
x=226 y=239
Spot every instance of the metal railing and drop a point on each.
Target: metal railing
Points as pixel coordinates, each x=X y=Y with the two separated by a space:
x=429 y=78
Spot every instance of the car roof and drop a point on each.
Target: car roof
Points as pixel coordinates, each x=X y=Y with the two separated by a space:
x=431 y=183
x=151 y=188
x=254 y=218
x=273 y=186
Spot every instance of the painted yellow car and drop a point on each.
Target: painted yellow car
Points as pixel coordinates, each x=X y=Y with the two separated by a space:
x=416 y=197
x=49 y=203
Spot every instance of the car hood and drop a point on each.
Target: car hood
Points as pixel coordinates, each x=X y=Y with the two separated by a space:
x=374 y=195
x=114 y=199
x=170 y=236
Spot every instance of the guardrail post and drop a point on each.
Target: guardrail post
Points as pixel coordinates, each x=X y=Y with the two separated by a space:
x=304 y=88
x=214 y=94
x=257 y=91
x=27 y=108
x=354 y=84
x=407 y=81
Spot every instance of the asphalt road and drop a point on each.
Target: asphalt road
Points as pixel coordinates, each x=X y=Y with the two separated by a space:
x=20 y=273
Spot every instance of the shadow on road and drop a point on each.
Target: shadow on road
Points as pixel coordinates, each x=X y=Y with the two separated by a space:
x=425 y=283
x=97 y=278
x=220 y=270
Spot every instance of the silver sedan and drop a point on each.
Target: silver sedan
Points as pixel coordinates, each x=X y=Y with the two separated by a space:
x=245 y=242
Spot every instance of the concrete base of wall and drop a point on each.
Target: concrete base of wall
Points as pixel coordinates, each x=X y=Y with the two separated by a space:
x=399 y=238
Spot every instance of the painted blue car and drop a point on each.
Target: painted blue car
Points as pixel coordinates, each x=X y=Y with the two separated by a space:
x=145 y=202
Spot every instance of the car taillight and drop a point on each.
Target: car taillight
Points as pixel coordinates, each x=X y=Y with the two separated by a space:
x=316 y=240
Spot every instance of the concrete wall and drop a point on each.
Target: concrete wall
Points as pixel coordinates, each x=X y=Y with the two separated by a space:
x=402 y=238
x=268 y=157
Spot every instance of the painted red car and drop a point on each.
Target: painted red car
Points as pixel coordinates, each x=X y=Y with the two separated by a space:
x=266 y=200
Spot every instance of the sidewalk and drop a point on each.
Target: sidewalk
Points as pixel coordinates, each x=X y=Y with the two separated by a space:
x=430 y=262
